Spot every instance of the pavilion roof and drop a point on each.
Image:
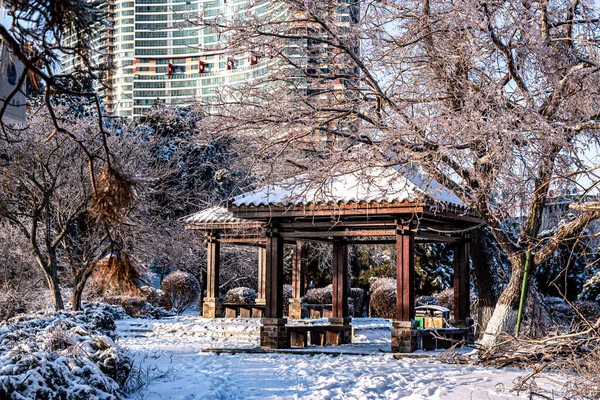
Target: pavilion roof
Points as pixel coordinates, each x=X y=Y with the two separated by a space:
x=374 y=185
x=212 y=215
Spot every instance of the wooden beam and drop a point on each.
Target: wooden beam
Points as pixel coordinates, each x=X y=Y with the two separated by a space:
x=326 y=234
x=456 y=214
x=244 y=241
x=336 y=224
x=461 y=281
x=405 y=277
x=340 y=280
x=274 y=275
x=437 y=237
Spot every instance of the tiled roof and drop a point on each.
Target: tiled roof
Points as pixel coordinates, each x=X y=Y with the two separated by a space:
x=375 y=185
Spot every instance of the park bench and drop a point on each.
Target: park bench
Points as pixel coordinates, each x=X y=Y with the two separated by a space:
x=244 y=310
x=320 y=335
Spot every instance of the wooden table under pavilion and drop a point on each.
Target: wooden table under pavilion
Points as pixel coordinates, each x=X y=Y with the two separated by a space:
x=380 y=206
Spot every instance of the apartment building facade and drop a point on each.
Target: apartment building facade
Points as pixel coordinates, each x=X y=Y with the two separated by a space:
x=155 y=50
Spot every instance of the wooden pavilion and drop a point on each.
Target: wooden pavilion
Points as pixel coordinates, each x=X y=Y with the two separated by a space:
x=377 y=206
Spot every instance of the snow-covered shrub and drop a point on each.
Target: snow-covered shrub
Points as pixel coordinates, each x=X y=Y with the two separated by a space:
x=241 y=295
x=137 y=308
x=320 y=295
x=383 y=299
x=445 y=298
x=181 y=290
x=358 y=300
x=590 y=310
x=591 y=289
x=152 y=295
x=11 y=303
x=133 y=306
x=62 y=355
x=379 y=282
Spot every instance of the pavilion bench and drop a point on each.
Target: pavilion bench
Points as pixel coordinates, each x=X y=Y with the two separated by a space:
x=244 y=310
x=320 y=335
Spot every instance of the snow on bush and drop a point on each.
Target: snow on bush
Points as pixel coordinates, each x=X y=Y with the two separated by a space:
x=152 y=295
x=591 y=289
x=383 y=298
x=62 y=355
x=320 y=295
x=180 y=290
x=590 y=310
x=445 y=298
x=379 y=282
x=136 y=307
x=241 y=295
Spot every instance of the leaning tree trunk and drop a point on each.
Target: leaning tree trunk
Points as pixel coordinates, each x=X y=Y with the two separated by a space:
x=504 y=317
x=485 y=279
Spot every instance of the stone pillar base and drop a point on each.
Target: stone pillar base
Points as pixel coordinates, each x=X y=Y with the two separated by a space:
x=295 y=311
x=212 y=307
x=342 y=336
x=404 y=336
x=274 y=334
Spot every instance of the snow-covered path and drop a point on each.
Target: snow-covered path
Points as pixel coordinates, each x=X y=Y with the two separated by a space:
x=170 y=351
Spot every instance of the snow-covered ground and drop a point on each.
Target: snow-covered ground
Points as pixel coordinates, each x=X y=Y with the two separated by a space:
x=169 y=351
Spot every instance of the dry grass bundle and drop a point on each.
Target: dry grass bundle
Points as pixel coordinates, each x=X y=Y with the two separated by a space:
x=118 y=273
x=115 y=192
x=574 y=355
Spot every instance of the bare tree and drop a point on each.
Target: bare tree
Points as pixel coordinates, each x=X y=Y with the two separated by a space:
x=40 y=199
x=496 y=100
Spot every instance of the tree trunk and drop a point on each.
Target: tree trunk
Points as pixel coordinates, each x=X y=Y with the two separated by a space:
x=54 y=287
x=485 y=278
x=77 y=294
x=504 y=317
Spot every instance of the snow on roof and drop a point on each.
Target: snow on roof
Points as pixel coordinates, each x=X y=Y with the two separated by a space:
x=373 y=185
x=211 y=215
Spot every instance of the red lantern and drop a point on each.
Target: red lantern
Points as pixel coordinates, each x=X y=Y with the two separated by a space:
x=253 y=59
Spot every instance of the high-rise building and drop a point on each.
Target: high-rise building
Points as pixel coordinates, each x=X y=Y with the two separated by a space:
x=154 y=50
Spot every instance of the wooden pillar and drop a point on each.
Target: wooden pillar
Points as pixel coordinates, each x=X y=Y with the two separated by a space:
x=461 y=281
x=273 y=332
x=213 y=263
x=211 y=307
x=405 y=276
x=340 y=280
x=274 y=274
x=262 y=275
x=298 y=268
x=404 y=332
